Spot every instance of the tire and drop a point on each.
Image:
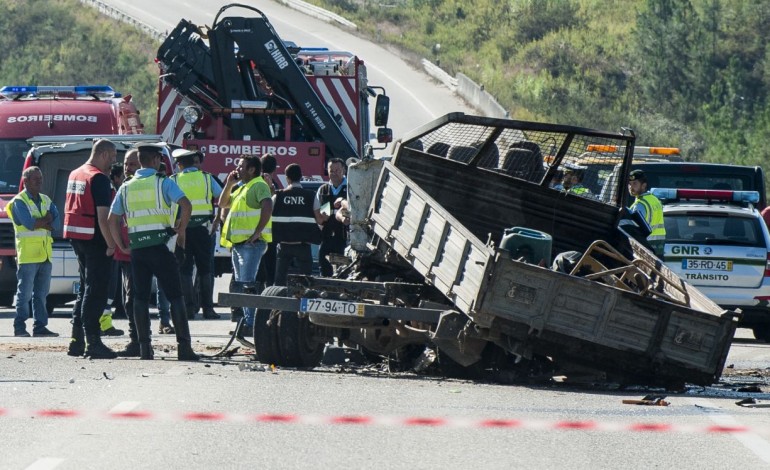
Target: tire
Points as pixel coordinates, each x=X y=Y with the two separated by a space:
x=291 y=340
x=266 y=336
x=762 y=333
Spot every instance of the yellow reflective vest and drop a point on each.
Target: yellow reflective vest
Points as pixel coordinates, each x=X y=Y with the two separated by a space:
x=196 y=185
x=32 y=246
x=148 y=216
x=242 y=220
x=653 y=214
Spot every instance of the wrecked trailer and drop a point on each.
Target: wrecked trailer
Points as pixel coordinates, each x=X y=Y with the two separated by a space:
x=431 y=265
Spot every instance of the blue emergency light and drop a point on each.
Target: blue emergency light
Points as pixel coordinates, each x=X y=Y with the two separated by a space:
x=671 y=194
x=102 y=91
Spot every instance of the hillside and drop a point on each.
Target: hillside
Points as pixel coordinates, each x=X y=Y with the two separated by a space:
x=61 y=42
x=693 y=74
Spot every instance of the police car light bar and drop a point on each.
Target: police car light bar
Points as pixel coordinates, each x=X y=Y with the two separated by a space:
x=706 y=194
x=637 y=150
x=99 y=91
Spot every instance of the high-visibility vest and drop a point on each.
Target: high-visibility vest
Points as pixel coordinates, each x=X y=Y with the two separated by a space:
x=196 y=185
x=148 y=216
x=79 y=207
x=32 y=246
x=242 y=220
x=653 y=214
x=580 y=190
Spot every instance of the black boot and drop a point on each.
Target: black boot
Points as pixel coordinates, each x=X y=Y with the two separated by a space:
x=207 y=296
x=143 y=333
x=95 y=349
x=188 y=291
x=77 y=345
x=179 y=316
x=131 y=350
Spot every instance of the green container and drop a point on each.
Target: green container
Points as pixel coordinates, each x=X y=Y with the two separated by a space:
x=533 y=245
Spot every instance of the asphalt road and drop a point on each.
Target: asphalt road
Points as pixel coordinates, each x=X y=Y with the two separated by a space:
x=238 y=413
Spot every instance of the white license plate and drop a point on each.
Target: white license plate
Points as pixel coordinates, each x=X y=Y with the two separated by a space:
x=331 y=307
x=707 y=264
x=75 y=287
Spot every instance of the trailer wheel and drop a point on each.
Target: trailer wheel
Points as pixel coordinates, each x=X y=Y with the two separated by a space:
x=266 y=335
x=298 y=341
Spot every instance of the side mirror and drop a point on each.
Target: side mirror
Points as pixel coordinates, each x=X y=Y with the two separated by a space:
x=381 y=110
x=384 y=135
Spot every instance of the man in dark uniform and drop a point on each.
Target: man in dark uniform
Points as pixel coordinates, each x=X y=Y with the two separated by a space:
x=335 y=233
x=146 y=201
x=296 y=217
x=266 y=273
x=86 y=206
x=199 y=187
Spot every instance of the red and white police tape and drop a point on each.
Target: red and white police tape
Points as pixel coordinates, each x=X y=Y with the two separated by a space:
x=382 y=421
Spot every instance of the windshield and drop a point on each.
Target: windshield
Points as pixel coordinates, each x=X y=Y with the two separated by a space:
x=713 y=229
x=12 y=154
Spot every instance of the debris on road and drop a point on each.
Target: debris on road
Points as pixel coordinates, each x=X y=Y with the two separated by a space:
x=649 y=400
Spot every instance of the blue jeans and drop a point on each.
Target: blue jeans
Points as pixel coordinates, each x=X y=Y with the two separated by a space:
x=164 y=306
x=246 y=258
x=34 y=283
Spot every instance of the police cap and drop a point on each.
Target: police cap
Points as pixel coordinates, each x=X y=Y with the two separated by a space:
x=637 y=175
x=149 y=147
x=182 y=153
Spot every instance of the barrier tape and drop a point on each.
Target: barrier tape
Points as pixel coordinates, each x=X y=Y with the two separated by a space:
x=382 y=421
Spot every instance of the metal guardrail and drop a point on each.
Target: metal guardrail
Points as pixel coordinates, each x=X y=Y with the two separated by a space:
x=120 y=15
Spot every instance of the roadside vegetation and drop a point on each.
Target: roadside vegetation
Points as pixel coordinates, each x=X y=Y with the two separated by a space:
x=688 y=73
x=64 y=42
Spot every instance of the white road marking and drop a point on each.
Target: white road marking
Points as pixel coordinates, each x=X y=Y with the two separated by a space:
x=751 y=440
x=46 y=463
x=124 y=407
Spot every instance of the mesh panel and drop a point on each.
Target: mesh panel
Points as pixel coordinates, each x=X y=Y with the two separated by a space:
x=581 y=161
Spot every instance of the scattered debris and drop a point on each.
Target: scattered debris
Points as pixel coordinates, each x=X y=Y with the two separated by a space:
x=72 y=380
x=749 y=389
x=752 y=403
x=244 y=367
x=424 y=360
x=106 y=376
x=650 y=400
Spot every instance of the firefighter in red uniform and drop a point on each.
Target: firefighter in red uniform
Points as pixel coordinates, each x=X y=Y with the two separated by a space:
x=86 y=207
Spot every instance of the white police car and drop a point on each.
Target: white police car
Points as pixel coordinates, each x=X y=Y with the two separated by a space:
x=717 y=241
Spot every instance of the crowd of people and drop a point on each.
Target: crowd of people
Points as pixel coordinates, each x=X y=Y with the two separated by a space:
x=131 y=227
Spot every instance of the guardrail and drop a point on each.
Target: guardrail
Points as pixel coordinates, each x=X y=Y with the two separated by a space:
x=120 y=15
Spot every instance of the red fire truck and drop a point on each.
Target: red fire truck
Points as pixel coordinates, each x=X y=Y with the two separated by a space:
x=45 y=111
x=246 y=91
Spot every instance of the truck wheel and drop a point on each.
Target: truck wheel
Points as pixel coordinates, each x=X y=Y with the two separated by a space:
x=300 y=346
x=266 y=336
x=762 y=333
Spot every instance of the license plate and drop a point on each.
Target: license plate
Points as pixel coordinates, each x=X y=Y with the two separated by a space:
x=707 y=264
x=75 y=287
x=331 y=307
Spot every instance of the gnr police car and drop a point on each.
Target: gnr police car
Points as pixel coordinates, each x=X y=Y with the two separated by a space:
x=717 y=241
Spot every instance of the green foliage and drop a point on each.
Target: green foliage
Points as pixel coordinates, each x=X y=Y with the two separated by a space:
x=63 y=42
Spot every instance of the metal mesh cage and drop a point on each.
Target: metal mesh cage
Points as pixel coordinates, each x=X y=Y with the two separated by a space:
x=580 y=161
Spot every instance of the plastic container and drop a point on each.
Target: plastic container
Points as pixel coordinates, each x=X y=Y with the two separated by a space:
x=532 y=245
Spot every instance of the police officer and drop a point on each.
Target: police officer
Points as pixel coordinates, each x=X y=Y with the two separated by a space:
x=32 y=214
x=86 y=207
x=199 y=187
x=650 y=208
x=146 y=201
x=296 y=217
x=335 y=232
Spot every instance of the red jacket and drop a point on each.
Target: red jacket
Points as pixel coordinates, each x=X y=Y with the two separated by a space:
x=79 y=207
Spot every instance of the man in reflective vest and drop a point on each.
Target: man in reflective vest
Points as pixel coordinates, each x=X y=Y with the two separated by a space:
x=199 y=187
x=32 y=214
x=247 y=229
x=573 y=183
x=296 y=217
x=146 y=201
x=650 y=208
x=89 y=194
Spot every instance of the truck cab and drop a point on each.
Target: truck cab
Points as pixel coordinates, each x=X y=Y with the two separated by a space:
x=28 y=111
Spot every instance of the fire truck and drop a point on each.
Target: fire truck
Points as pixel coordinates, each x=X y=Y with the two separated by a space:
x=237 y=88
x=47 y=111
